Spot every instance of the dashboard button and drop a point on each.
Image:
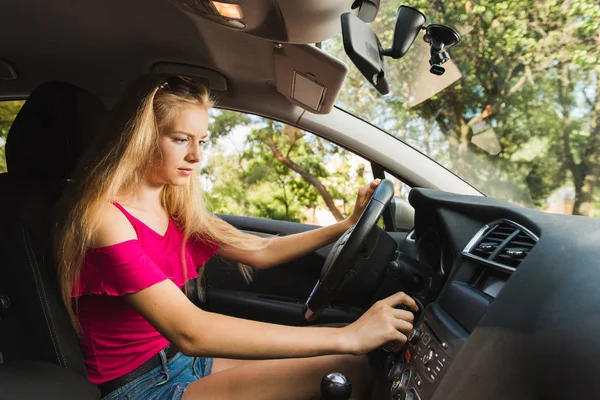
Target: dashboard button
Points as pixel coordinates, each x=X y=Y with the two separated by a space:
x=418 y=381
x=426 y=339
x=429 y=355
x=414 y=336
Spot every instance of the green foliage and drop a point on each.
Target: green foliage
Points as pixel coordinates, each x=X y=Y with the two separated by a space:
x=225 y=123
x=529 y=71
x=529 y=80
x=252 y=181
x=8 y=112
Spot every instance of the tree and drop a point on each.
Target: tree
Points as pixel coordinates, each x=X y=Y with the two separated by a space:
x=280 y=172
x=8 y=112
x=580 y=136
x=526 y=66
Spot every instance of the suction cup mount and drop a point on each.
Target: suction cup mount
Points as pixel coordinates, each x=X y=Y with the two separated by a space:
x=439 y=38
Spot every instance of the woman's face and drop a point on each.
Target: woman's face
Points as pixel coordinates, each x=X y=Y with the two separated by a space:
x=181 y=143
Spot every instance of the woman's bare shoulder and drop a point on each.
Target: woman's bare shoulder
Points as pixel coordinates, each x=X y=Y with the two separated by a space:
x=113 y=227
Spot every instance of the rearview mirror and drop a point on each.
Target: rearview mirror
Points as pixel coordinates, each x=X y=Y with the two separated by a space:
x=408 y=24
x=364 y=48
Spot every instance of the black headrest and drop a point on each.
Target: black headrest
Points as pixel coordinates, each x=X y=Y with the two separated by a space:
x=51 y=131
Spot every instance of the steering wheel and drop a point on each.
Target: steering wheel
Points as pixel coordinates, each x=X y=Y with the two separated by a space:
x=340 y=267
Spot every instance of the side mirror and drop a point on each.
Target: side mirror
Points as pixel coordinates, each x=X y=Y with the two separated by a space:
x=403 y=214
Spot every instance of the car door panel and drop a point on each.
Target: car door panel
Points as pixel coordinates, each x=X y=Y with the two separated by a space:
x=274 y=309
x=274 y=295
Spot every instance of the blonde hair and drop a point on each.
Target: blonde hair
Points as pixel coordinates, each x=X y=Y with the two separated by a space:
x=115 y=165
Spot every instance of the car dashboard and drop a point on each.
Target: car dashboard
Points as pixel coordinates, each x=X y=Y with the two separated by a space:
x=485 y=271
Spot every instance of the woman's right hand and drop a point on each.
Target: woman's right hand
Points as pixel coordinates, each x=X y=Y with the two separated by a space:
x=381 y=324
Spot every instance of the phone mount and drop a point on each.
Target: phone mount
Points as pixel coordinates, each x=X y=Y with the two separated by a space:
x=439 y=37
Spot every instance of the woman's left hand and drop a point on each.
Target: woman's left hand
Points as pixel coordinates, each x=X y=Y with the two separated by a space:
x=364 y=195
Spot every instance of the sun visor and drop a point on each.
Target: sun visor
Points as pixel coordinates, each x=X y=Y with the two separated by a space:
x=308 y=77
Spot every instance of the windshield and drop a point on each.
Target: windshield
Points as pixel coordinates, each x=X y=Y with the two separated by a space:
x=517 y=113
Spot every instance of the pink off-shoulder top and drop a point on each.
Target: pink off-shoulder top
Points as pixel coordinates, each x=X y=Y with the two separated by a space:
x=115 y=339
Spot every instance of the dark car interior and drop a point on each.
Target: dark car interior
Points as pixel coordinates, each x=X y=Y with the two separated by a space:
x=508 y=295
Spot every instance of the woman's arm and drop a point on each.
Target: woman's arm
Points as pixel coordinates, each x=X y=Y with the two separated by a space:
x=279 y=250
x=199 y=333
x=196 y=332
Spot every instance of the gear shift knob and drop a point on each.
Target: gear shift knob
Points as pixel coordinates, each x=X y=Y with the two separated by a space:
x=335 y=386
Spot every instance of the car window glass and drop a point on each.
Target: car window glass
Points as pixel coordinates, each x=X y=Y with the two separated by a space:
x=8 y=112
x=253 y=166
x=516 y=114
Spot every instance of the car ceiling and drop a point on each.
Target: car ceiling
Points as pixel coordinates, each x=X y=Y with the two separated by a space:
x=104 y=45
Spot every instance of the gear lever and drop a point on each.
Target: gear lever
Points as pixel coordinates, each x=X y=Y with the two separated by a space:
x=335 y=386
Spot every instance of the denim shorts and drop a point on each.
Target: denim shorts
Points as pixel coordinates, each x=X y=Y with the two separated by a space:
x=168 y=381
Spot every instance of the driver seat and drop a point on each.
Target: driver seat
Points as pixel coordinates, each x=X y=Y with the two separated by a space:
x=39 y=351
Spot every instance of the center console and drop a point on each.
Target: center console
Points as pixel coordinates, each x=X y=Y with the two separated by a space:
x=460 y=290
x=415 y=372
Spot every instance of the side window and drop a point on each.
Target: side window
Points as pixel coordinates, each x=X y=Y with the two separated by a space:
x=258 y=167
x=8 y=112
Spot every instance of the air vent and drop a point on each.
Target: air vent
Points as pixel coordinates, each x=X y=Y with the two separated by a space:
x=502 y=244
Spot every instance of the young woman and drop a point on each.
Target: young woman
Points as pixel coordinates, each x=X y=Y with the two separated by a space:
x=135 y=230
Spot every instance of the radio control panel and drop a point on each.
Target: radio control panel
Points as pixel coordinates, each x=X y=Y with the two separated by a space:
x=415 y=372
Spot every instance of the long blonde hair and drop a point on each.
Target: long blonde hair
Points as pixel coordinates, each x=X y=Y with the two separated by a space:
x=114 y=166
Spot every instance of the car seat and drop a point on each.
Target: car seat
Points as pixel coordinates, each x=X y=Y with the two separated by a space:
x=39 y=352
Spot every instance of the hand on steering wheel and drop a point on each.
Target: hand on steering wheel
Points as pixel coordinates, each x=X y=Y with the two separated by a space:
x=339 y=267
